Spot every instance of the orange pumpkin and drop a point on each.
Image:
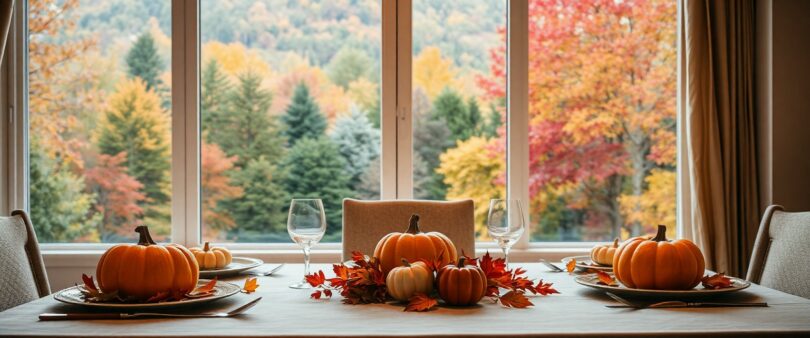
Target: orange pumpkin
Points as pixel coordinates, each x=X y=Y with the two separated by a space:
x=603 y=254
x=414 y=245
x=145 y=269
x=659 y=264
x=461 y=284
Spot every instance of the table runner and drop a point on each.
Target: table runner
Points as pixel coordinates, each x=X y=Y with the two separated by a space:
x=577 y=311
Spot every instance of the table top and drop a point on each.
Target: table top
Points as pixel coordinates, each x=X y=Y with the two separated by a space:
x=577 y=311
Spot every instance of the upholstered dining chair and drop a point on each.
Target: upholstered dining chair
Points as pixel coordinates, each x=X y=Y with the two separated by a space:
x=22 y=272
x=365 y=222
x=779 y=260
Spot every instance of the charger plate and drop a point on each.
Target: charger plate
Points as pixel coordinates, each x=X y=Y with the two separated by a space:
x=592 y=281
x=73 y=295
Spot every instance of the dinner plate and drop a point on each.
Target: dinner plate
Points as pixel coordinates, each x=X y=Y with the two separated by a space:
x=584 y=263
x=238 y=264
x=73 y=295
x=591 y=280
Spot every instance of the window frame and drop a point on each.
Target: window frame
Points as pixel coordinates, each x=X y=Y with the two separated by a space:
x=396 y=133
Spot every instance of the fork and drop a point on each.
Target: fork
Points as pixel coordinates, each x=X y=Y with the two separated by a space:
x=675 y=304
x=80 y=316
x=268 y=273
x=551 y=266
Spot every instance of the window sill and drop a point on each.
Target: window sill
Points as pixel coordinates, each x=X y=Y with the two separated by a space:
x=87 y=258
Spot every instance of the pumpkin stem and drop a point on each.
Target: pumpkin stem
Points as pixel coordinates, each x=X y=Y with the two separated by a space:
x=405 y=263
x=661 y=236
x=206 y=247
x=413 y=227
x=616 y=242
x=461 y=261
x=145 y=238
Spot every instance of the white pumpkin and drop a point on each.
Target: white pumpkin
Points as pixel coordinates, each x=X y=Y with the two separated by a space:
x=405 y=281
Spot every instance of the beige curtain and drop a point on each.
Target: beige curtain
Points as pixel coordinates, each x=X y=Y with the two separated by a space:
x=719 y=125
x=6 y=8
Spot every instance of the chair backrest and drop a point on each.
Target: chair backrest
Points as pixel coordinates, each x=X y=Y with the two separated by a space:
x=365 y=222
x=22 y=272
x=779 y=260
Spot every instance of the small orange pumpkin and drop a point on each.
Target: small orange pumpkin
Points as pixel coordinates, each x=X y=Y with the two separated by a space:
x=414 y=245
x=659 y=264
x=209 y=257
x=146 y=269
x=461 y=284
x=603 y=254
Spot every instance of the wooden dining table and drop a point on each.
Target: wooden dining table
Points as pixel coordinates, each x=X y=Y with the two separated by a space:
x=576 y=311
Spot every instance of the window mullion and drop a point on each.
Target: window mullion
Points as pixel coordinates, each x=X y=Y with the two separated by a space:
x=388 y=95
x=404 y=120
x=517 y=125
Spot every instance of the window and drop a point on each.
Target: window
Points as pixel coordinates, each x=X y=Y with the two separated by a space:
x=99 y=110
x=131 y=122
x=290 y=108
x=602 y=88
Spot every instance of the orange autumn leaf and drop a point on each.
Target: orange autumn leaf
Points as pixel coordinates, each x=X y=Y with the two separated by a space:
x=515 y=299
x=421 y=302
x=716 y=281
x=251 y=284
x=208 y=287
x=605 y=278
x=316 y=279
x=571 y=265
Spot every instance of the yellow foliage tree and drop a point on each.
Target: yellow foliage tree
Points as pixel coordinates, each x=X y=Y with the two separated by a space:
x=365 y=94
x=471 y=171
x=432 y=72
x=235 y=59
x=655 y=206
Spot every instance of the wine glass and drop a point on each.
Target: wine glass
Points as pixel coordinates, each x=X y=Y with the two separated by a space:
x=505 y=223
x=306 y=224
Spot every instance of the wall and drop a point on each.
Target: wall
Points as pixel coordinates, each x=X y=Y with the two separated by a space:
x=783 y=100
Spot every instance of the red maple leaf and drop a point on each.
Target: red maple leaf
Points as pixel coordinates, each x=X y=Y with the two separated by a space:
x=89 y=284
x=716 y=281
x=421 y=302
x=316 y=279
x=544 y=288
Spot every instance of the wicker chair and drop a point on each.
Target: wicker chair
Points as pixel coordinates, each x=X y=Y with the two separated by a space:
x=22 y=272
x=365 y=222
x=780 y=252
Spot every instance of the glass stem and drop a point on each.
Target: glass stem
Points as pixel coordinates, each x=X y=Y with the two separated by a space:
x=506 y=256
x=306 y=260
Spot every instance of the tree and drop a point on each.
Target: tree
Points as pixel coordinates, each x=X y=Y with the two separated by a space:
x=432 y=72
x=135 y=124
x=431 y=141
x=450 y=107
x=214 y=95
x=217 y=187
x=118 y=197
x=493 y=123
x=303 y=118
x=260 y=209
x=246 y=130
x=471 y=171
x=315 y=170
x=144 y=62
x=602 y=82
x=357 y=141
x=369 y=186
x=58 y=204
x=348 y=65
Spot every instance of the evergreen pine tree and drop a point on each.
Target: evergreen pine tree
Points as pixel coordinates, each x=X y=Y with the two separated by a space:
x=245 y=130
x=303 y=118
x=433 y=139
x=134 y=123
x=490 y=128
x=260 y=209
x=314 y=169
x=59 y=205
x=473 y=118
x=357 y=141
x=144 y=62
x=213 y=97
x=450 y=108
